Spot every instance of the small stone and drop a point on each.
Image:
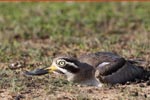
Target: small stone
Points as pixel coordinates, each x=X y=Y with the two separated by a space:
x=90 y=91
x=141 y=85
x=128 y=83
x=17 y=65
x=66 y=97
x=19 y=97
x=145 y=95
x=134 y=94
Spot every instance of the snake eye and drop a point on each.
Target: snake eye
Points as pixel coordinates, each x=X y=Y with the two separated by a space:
x=61 y=63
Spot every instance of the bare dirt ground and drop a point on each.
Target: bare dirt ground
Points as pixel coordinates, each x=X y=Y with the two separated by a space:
x=16 y=85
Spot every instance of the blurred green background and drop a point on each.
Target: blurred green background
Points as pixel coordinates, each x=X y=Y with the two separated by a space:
x=37 y=20
x=69 y=25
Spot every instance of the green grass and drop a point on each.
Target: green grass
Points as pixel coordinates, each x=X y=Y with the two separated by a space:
x=45 y=19
x=34 y=33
